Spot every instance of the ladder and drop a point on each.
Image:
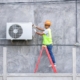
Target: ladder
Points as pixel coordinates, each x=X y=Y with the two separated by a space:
x=49 y=57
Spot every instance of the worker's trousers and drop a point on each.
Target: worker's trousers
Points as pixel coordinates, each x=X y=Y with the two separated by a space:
x=49 y=47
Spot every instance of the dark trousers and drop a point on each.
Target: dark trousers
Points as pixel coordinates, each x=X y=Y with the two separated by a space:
x=49 y=47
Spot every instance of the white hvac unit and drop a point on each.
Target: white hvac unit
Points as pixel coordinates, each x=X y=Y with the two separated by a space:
x=19 y=31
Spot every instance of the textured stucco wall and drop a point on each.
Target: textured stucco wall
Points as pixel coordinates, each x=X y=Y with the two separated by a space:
x=1 y=60
x=62 y=17
x=78 y=49
x=22 y=59
x=6 y=1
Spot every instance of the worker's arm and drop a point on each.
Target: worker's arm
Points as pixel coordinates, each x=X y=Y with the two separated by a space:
x=38 y=27
x=39 y=33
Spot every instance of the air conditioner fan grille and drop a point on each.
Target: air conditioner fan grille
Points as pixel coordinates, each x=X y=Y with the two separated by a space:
x=15 y=31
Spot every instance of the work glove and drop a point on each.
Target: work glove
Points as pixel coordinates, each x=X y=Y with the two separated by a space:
x=35 y=30
x=33 y=26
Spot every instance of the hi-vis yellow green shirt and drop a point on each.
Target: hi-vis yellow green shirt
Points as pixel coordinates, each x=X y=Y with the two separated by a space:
x=47 y=37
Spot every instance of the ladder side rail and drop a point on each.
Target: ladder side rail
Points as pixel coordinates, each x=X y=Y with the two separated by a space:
x=38 y=62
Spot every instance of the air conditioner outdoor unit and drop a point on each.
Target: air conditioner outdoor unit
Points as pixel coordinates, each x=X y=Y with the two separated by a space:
x=19 y=31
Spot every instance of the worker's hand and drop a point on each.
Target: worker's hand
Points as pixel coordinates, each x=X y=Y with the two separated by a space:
x=33 y=26
x=35 y=30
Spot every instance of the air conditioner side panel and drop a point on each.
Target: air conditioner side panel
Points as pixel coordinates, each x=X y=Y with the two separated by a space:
x=27 y=31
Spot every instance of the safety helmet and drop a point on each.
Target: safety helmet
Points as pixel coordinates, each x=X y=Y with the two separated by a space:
x=47 y=23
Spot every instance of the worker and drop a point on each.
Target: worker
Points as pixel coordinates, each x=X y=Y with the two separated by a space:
x=47 y=38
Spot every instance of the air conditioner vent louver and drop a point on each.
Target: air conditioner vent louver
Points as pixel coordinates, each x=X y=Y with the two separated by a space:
x=15 y=31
